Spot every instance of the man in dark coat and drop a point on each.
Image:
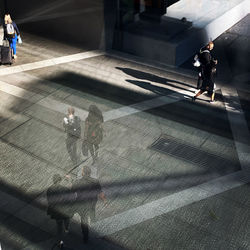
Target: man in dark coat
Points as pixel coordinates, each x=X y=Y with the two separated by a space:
x=208 y=68
x=88 y=190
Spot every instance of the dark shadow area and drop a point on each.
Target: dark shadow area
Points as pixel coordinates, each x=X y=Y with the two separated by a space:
x=116 y=189
x=34 y=235
x=245 y=105
x=17 y=106
x=146 y=85
x=184 y=111
x=25 y=231
x=153 y=88
x=77 y=22
x=152 y=78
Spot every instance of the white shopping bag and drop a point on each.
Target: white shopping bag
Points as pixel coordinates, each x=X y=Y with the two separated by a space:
x=19 y=40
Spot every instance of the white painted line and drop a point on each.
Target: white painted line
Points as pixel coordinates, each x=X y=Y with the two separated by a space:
x=238 y=126
x=169 y=203
x=36 y=82
x=50 y=62
x=61 y=107
x=138 y=107
x=46 y=102
x=145 y=105
x=19 y=92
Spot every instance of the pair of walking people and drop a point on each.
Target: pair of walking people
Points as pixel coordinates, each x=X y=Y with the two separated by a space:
x=81 y=197
x=93 y=133
x=207 y=72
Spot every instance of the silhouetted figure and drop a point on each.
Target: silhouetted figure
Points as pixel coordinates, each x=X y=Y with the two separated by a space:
x=208 y=64
x=201 y=61
x=93 y=132
x=60 y=201
x=72 y=125
x=87 y=190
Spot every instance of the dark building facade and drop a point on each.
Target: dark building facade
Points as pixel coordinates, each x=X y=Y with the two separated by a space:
x=84 y=22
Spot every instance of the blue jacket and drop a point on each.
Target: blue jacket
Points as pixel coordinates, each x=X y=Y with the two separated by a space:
x=5 y=30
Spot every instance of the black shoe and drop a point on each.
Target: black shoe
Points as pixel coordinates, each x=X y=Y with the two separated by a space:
x=61 y=244
x=194 y=98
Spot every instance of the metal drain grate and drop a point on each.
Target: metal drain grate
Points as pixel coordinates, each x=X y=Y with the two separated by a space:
x=179 y=149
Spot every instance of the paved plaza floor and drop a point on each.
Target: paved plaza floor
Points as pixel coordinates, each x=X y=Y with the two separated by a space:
x=175 y=173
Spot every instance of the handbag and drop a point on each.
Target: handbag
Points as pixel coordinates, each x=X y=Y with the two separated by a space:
x=196 y=62
x=85 y=148
x=19 y=39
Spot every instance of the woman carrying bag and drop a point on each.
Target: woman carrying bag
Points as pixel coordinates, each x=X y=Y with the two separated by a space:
x=93 y=132
x=11 y=33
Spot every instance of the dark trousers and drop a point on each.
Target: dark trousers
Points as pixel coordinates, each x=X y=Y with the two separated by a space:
x=200 y=77
x=62 y=224
x=208 y=81
x=71 y=144
x=85 y=220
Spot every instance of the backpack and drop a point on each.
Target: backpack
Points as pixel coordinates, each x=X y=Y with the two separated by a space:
x=95 y=133
x=197 y=61
x=10 y=30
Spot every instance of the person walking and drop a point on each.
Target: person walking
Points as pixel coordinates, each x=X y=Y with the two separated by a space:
x=93 y=132
x=208 y=65
x=60 y=200
x=72 y=126
x=88 y=190
x=11 y=33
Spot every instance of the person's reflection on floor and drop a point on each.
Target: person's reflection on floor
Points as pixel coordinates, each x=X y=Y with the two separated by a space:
x=60 y=200
x=88 y=190
x=93 y=132
x=72 y=126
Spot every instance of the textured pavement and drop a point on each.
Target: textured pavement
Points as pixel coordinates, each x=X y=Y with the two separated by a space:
x=156 y=199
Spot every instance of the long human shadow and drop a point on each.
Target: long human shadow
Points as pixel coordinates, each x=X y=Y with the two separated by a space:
x=151 y=87
x=153 y=78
